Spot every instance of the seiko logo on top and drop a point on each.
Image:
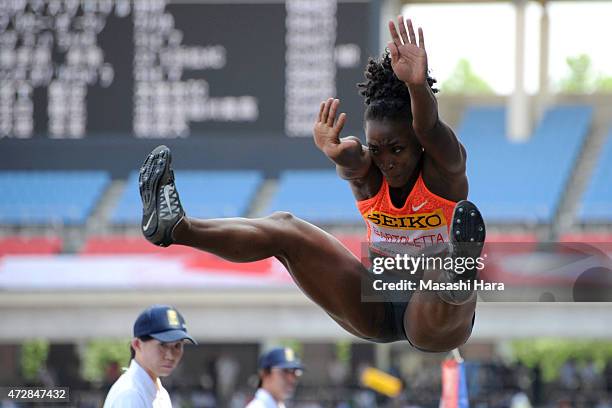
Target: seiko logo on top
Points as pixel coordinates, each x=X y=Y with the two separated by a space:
x=414 y=221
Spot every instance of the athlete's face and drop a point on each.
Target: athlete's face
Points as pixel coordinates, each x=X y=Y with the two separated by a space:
x=281 y=382
x=394 y=148
x=158 y=359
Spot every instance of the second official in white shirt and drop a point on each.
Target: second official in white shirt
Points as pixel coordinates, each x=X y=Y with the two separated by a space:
x=279 y=370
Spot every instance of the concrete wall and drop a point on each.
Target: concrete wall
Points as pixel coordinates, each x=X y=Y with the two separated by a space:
x=255 y=316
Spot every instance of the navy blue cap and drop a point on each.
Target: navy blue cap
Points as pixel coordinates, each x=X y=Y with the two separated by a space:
x=163 y=323
x=282 y=357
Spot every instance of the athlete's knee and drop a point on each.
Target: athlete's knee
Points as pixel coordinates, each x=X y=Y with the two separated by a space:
x=439 y=341
x=282 y=216
x=434 y=346
x=282 y=229
x=283 y=219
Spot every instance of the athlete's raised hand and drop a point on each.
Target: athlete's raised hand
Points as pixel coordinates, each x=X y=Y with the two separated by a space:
x=327 y=130
x=408 y=58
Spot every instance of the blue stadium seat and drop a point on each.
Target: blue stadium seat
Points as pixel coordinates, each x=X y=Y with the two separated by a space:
x=49 y=197
x=204 y=194
x=522 y=182
x=318 y=196
x=596 y=205
x=483 y=124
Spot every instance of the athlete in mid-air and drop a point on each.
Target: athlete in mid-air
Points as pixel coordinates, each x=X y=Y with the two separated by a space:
x=410 y=185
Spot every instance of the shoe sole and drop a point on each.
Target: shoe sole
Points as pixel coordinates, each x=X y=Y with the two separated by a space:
x=154 y=171
x=468 y=229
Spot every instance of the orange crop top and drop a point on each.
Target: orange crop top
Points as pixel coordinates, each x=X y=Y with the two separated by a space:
x=422 y=222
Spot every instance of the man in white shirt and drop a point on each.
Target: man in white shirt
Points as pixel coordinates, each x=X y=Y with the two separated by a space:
x=279 y=370
x=157 y=348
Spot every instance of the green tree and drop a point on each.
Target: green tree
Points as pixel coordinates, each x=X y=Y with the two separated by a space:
x=343 y=351
x=33 y=358
x=551 y=354
x=580 y=76
x=603 y=83
x=464 y=80
x=100 y=353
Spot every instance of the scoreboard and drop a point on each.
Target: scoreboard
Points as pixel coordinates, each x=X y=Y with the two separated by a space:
x=160 y=69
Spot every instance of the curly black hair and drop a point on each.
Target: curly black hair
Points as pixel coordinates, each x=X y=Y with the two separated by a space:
x=386 y=97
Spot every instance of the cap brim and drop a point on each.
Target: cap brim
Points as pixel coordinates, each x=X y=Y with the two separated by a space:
x=290 y=364
x=172 y=335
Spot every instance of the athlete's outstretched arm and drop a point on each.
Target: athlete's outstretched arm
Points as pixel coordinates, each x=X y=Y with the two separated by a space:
x=409 y=62
x=352 y=159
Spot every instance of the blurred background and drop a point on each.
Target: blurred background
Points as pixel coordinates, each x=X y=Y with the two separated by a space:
x=89 y=87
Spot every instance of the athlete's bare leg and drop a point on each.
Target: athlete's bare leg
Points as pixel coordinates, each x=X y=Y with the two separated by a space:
x=434 y=325
x=453 y=310
x=328 y=274
x=321 y=266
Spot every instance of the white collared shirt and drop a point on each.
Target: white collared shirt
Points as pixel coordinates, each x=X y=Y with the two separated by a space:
x=136 y=389
x=263 y=399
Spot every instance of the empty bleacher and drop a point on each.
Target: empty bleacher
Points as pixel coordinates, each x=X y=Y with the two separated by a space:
x=522 y=182
x=596 y=205
x=483 y=120
x=512 y=183
x=318 y=196
x=49 y=197
x=204 y=194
